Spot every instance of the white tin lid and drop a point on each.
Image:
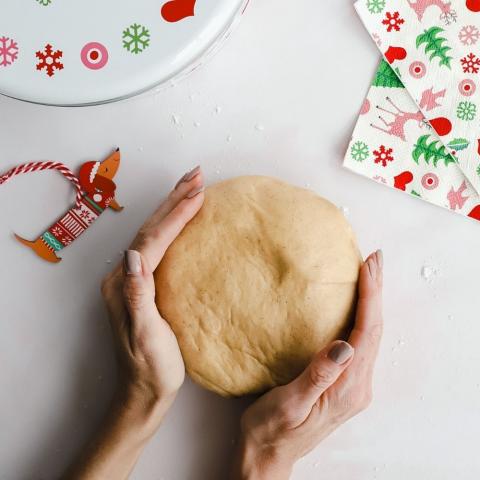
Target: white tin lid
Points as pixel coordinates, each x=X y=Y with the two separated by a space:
x=60 y=52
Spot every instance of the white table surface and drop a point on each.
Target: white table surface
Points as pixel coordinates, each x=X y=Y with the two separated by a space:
x=289 y=83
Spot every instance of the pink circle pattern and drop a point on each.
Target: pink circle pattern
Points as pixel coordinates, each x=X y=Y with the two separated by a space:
x=94 y=55
x=417 y=69
x=365 y=107
x=467 y=87
x=430 y=181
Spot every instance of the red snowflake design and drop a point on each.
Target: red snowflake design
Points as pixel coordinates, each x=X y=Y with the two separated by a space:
x=393 y=21
x=383 y=155
x=470 y=63
x=85 y=215
x=49 y=60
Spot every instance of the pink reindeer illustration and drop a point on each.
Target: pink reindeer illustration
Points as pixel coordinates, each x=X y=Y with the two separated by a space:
x=448 y=15
x=396 y=128
x=429 y=99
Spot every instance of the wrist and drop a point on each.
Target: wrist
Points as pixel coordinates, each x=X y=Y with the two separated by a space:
x=260 y=462
x=141 y=408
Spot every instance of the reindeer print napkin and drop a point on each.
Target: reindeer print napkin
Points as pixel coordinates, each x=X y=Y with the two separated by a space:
x=424 y=106
x=394 y=145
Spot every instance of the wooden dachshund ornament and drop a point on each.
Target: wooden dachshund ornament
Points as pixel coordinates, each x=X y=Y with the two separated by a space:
x=98 y=193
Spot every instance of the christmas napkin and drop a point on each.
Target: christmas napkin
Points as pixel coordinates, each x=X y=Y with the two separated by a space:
x=425 y=138
x=413 y=160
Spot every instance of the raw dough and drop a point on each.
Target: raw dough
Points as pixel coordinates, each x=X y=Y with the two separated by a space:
x=258 y=282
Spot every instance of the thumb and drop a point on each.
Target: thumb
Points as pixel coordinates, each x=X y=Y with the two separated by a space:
x=323 y=371
x=138 y=287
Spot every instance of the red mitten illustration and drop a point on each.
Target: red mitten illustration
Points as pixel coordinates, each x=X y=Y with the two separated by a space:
x=442 y=125
x=473 y=5
x=475 y=213
x=395 y=53
x=177 y=10
x=402 y=180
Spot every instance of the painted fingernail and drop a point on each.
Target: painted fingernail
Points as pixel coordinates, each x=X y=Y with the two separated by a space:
x=180 y=181
x=372 y=268
x=192 y=173
x=195 y=192
x=340 y=352
x=380 y=259
x=188 y=176
x=132 y=262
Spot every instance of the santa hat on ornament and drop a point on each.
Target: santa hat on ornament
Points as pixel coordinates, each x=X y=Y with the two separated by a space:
x=88 y=172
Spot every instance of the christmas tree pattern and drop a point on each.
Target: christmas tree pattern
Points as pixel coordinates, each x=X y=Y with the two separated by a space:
x=386 y=77
x=431 y=151
x=435 y=45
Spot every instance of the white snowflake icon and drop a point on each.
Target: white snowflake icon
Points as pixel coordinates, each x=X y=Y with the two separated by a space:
x=57 y=231
x=66 y=240
x=8 y=51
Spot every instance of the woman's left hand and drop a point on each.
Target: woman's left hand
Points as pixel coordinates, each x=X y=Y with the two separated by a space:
x=151 y=368
x=151 y=365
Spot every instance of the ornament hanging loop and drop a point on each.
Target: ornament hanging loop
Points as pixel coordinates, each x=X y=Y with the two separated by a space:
x=40 y=166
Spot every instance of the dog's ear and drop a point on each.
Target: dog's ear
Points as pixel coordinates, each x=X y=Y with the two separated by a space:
x=104 y=184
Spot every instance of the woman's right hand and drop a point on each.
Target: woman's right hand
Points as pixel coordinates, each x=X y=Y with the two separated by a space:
x=289 y=421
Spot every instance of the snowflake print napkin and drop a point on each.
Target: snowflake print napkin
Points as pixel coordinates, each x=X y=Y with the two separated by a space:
x=433 y=47
x=415 y=160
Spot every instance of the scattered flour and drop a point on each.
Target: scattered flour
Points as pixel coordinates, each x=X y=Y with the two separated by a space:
x=429 y=273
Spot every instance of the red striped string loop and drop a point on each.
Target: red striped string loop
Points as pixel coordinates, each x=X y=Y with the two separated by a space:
x=40 y=166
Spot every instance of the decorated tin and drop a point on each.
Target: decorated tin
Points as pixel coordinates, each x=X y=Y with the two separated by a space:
x=82 y=53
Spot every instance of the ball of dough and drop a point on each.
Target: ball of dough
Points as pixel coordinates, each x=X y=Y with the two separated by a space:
x=259 y=281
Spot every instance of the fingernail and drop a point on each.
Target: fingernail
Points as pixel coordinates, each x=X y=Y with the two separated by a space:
x=195 y=192
x=192 y=173
x=188 y=176
x=340 y=352
x=132 y=262
x=372 y=268
x=380 y=258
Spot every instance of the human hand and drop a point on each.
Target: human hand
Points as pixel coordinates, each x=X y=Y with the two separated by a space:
x=151 y=368
x=151 y=365
x=289 y=421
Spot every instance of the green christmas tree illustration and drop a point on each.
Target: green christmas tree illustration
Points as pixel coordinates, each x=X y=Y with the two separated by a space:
x=431 y=152
x=386 y=77
x=435 y=45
